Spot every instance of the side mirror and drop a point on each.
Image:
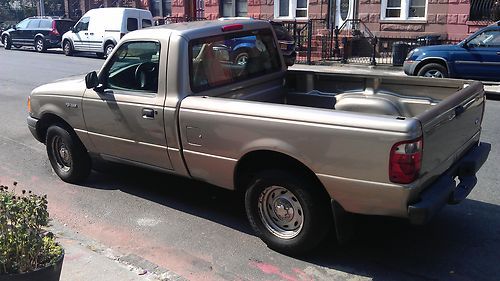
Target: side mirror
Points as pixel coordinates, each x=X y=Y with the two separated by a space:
x=14 y=27
x=73 y=29
x=91 y=80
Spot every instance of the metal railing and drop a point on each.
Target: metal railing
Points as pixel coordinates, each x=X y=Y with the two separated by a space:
x=481 y=10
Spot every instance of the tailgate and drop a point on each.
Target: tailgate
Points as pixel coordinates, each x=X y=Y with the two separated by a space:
x=451 y=127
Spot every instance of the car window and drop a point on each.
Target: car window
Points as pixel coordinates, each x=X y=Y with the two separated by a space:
x=488 y=38
x=33 y=24
x=46 y=24
x=83 y=24
x=23 y=24
x=132 y=24
x=216 y=61
x=134 y=66
x=64 y=25
x=146 y=23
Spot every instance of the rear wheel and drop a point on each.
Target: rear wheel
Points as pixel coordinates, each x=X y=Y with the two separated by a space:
x=6 y=42
x=108 y=49
x=287 y=211
x=68 y=48
x=67 y=155
x=40 y=45
x=434 y=70
x=241 y=58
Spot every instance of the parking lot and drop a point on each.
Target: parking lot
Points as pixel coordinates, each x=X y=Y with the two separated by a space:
x=200 y=232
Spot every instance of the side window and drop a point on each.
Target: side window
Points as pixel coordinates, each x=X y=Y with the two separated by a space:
x=146 y=23
x=46 y=24
x=23 y=24
x=132 y=24
x=34 y=24
x=218 y=61
x=489 y=38
x=134 y=67
x=82 y=25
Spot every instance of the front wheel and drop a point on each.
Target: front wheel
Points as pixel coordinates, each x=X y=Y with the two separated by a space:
x=433 y=70
x=288 y=212
x=6 y=42
x=68 y=48
x=67 y=155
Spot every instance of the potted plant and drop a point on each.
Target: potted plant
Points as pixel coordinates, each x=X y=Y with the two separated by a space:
x=27 y=251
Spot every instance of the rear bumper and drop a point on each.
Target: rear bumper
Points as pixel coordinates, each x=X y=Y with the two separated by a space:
x=445 y=190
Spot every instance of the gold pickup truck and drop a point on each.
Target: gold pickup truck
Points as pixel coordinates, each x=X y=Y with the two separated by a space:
x=306 y=148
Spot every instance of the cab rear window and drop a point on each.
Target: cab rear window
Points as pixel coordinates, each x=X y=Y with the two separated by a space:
x=223 y=60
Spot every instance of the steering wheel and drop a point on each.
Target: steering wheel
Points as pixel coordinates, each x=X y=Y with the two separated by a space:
x=144 y=73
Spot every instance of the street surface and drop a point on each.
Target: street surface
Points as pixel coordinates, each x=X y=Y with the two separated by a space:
x=200 y=232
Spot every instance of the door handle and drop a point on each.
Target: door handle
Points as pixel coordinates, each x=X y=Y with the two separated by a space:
x=148 y=113
x=498 y=53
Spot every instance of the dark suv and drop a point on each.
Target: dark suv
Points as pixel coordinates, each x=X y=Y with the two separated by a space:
x=40 y=32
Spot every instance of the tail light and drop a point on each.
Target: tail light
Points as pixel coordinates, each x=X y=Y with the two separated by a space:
x=29 y=104
x=54 y=29
x=405 y=161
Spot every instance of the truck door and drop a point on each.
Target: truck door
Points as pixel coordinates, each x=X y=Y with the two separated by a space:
x=125 y=119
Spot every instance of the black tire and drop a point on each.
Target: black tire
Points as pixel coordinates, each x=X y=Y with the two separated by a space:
x=311 y=217
x=108 y=49
x=7 y=43
x=68 y=48
x=434 y=70
x=40 y=45
x=68 y=157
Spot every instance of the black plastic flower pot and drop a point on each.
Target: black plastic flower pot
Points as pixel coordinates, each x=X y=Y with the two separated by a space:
x=49 y=273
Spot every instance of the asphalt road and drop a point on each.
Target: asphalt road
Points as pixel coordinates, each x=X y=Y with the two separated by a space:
x=200 y=232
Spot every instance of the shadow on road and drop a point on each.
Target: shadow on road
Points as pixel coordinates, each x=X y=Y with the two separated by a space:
x=56 y=52
x=461 y=243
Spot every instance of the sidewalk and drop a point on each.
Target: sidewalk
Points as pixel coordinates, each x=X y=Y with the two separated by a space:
x=87 y=260
x=492 y=88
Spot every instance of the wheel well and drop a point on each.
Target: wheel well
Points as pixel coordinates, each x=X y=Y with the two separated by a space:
x=67 y=40
x=260 y=160
x=109 y=42
x=46 y=121
x=426 y=62
x=38 y=36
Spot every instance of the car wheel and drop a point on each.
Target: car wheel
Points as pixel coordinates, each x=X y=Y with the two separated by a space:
x=241 y=58
x=40 y=45
x=67 y=155
x=68 y=48
x=108 y=49
x=288 y=212
x=434 y=70
x=6 y=42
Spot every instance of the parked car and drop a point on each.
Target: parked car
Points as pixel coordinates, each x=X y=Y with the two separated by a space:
x=40 y=32
x=99 y=30
x=476 y=57
x=239 y=48
x=306 y=147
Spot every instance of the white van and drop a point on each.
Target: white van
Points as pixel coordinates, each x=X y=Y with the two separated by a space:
x=100 y=29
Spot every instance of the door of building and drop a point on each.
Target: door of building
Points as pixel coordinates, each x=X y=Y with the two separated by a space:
x=342 y=11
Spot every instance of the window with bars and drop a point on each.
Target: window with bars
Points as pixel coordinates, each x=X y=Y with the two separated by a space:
x=291 y=9
x=481 y=10
x=404 y=9
x=233 y=8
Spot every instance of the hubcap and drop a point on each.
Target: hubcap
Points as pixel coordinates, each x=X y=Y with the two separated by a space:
x=434 y=73
x=280 y=212
x=109 y=49
x=66 y=48
x=242 y=60
x=39 y=45
x=62 y=154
